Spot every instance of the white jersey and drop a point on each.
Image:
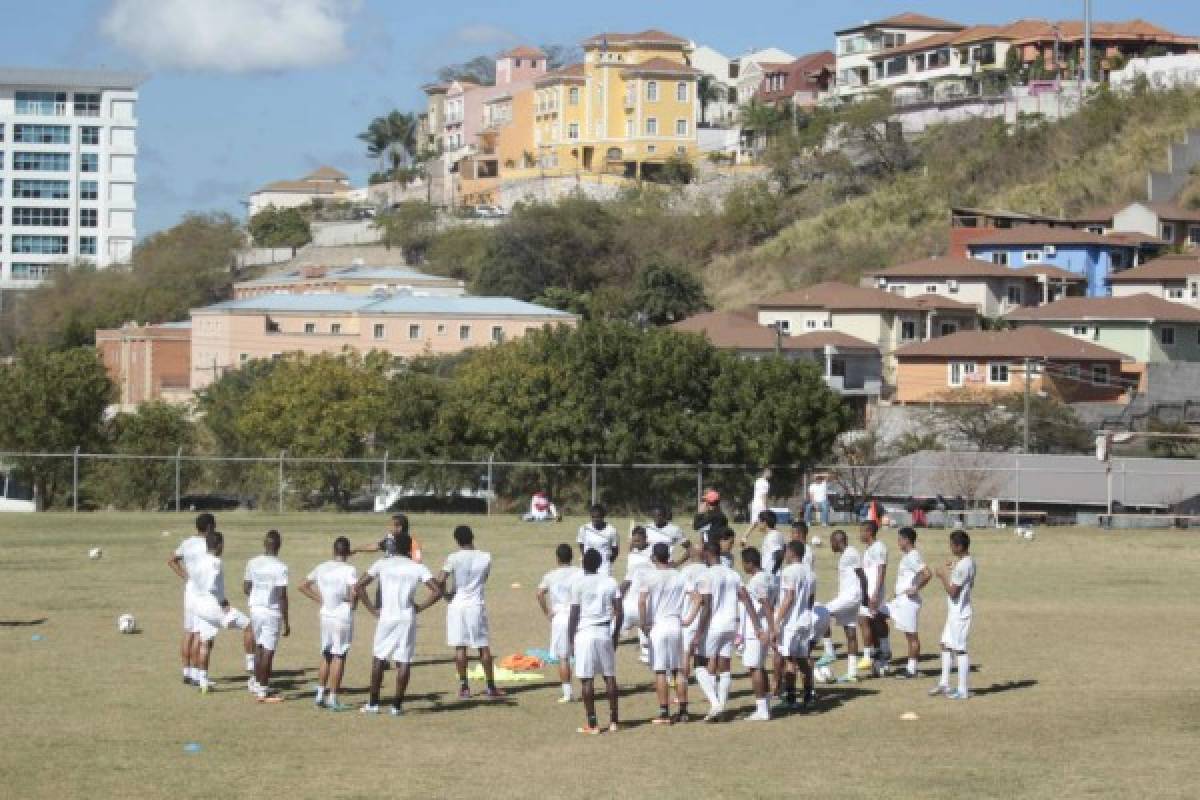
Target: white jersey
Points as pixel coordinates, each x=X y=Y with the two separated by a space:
x=762 y=488
x=666 y=595
x=604 y=540
x=761 y=589
x=470 y=569
x=335 y=580
x=268 y=577
x=772 y=544
x=848 y=565
x=208 y=580
x=906 y=574
x=189 y=550
x=874 y=557
x=799 y=580
x=595 y=595
x=962 y=576
x=399 y=578
x=693 y=578
x=669 y=534
x=722 y=584
x=557 y=585
x=637 y=565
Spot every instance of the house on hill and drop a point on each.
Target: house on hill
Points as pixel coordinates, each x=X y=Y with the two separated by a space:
x=323 y=183
x=1171 y=277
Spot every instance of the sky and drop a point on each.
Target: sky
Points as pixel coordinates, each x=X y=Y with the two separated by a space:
x=244 y=92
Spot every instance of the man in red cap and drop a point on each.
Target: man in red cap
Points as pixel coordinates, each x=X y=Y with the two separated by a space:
x=711 y=521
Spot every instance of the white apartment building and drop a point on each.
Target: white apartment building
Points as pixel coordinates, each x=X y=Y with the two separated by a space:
x=856 y=70
x=68 y=148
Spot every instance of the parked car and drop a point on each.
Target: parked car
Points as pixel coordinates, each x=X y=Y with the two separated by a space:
x=489 y=212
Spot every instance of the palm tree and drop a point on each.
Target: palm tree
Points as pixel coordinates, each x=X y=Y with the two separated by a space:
x=392 y=138
x=707 y=92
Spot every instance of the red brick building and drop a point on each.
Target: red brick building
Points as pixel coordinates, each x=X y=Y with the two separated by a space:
x=148 y=362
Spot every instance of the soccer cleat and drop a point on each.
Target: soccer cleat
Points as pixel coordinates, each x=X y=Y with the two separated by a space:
x=396 y=711
x=464 y=693
x=810 y=699
x=757 y=716
x=343 y=707
x=881 y=668
x=613 y=727
x=680 y=719
x=848 y=679
x=714 y=714
x=826 y=660
x=589 y=730
x=563 y=699
x=957 y=695
x=187 y=681
x=252 y=685
x=206 y=686
x=493 y=693
x=865 y=665
x=939 y=689
x=368 y=709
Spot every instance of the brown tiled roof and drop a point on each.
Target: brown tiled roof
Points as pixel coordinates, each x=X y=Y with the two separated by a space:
x=661 y=66
x=1135 y=30
x=799 y=74
x=523 y=51
x=301 y=187
x=843 y=297
x=1171 y=212
x=1166 y=268
x=740 y=330
x=326 y=173
x=953 y=267
x=1134 y=307
x=1050 y=272
x=652 y=35
x=571 y=72
x=1024 y=342
x=1041 y=234
x=907 y=20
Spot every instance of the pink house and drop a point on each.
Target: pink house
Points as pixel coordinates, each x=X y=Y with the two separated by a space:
x=515 y=69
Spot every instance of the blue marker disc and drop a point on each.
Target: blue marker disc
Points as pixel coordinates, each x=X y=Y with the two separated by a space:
x=191 y=747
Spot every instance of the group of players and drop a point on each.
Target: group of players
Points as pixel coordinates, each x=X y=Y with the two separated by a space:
x=690 y=609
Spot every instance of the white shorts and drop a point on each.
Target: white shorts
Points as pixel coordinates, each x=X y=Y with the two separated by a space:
x=754 y=654
x=719 y=643
x=844 y=611
x=188 y=614
x=820 y=623
x=630 y=618
x=954 y=635
x=904 y=613
x=691 y=648
x=594 y=653
x=208 y=619
x=266 y=625
x=794 y=642
x=336 y=636
x=467 y=625
x=560 y=645
x=666 y=646
x=396 y=639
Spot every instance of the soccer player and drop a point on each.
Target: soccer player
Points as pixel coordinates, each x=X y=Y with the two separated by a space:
x=694 y=572
x=387 y=544
x=595 y=619
x=755 y=651
x=958 y=579
x=725 y=590
x=466 y=612
x=331 y=585
x=772 y=545
x=265 y=584
x=598 y=535
x=794 y=621
x=762 y=488
x=396 y=632
x=711 y=521
x=183 y=562
x=662 y=601
x=661 y=529
x=843 y=609
x=800 y=534
x=905 y=608
x=725 y=541
x=211 y=610
x=637 y=565
x=818 y=500
x=554 y=597
x=877 y=648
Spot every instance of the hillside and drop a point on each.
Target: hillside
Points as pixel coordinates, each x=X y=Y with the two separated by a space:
x=1097 y=157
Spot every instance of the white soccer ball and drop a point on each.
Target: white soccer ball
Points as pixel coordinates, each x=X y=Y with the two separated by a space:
x=815 y=541
x=1029 y=534
x=95 y=554
x=126 y=623
x=823 y=674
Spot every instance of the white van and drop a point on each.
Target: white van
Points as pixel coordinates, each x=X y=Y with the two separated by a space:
x=15 y=496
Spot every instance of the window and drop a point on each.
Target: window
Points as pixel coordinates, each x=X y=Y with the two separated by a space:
x=464 y=333
x=681 y=127
x=87 y=104
x=1193 y=234
x=1 y=131
x=908 y=330
x=1175 y=294
x=1166 y=336
x=31 y=272
x=573 y=96
x=998 y=373
x=959 y=370
x=931 y=288
x=1079 y=330
x=573 y=130
x=441 y=329
x=335 y=328
x=784 y=325
x=244 y=357
x=41 y=217
x=629 y=132
x=88 y=190
x=87 y=245
x=87 y=217
x=1118 y=259
x=1167 y=231
x=414 y=331
x=827 y=323
x=42 y=104
x=652 y=91
x=310 y=327
x=89 y=134
x=379 y=330
x=1014 y=296
x=89 y=162
x=497 y=333
x=1071 y=371
x=811 y=324
x=41 y=162
x=45 y=245
x=948 y=328
x=42 y=134
x=1100 y=374
x=651 y=127
x=681 y=92
x=1000 y=258
x=1032 y=256
x=43 y=190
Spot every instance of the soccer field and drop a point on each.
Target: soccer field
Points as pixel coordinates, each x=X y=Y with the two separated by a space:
x=1084 y=644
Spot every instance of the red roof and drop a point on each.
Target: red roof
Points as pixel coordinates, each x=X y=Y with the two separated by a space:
x=524 y=51
x=651 y=36
x=1031 y=235
x=908 y=19
x=571 y=72
x=803 y=74
x=661 y=66
x=1140 y=307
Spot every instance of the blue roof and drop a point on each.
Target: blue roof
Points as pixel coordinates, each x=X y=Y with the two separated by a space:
x=381 y=274
x=280 y=301
x=392 y=304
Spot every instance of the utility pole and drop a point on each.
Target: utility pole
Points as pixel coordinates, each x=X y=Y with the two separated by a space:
x=1025 y=445
x=1087 y=42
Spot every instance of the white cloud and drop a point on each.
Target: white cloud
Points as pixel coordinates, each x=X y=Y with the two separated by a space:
x=231 y=35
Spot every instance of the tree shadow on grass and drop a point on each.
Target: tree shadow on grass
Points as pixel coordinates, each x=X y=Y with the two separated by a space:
x=23 y=623
x=1007 y=686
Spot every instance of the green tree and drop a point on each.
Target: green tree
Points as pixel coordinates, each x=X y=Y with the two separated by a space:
x=707 y=93
x=149 y=485
x=984 y=421
x=663 y=294
x=480 y=70
x=392 y=138
x=677 y=171
x=52 y=402
x=280 y=227
x=410 y=226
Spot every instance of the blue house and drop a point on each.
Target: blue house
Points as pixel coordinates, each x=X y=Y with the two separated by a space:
x=1093 y=256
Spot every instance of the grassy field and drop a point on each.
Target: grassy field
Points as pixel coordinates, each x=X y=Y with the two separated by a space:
x=1084 y=643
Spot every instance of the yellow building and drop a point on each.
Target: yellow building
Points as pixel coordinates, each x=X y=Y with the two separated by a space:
x=625 y=110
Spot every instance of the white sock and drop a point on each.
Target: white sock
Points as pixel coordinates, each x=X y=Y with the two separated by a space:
x=723 y=683
x=704 y=680
x=828 y=642
x=187 y=672
x=333 y=701
x=912 y=666
x=249 y=663
x=320 y=693
x=566 y=687
x=852 y=665
x=201 y=675
x=644 y=642
x=947 y=663
x=867 y=653
x=964 y=669
x=762 y=706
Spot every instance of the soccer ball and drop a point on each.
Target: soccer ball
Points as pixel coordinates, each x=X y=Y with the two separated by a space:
x=126 y=623
x=823 y=674
x=1029 y=534
x=95 y=554
x=815 y=541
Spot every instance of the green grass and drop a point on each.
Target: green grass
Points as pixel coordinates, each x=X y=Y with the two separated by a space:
x=1084 y=641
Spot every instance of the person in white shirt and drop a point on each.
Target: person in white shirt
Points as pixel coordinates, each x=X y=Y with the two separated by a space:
x=755 y=651
x=466 y=612
x=762 y=490
x=771 y=552
x=726 y=595
x=800 y=534
x=595 y=619
x=637 y=565
x=554 y=597
x=265 y=584
x=331 y=586
x=693 y=573
x=877 y=648
x=210 y=610
x=662 y=605
x=905 y=608
x=182 y=562
x=818 y=500
x=661 y=530
x=843 y=609
x=598 y=535
x=795 y=621
x=396 y=630
x=541 y=509
x=958 y=579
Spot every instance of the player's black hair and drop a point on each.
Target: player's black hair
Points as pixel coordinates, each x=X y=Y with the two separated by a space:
x=726 y=533
x=341 y=546
x=712 y=548
x=638 y=529
x=751 y=557
x=907 y=533
x=464 y=535
x=273 y=540
x=403 y=544
x=768 y=516
x=799 y=524
x=205 y=522
x=961 y=538
x=213 y=540
x=403 y=520
x=661 y=553
x=563 y=553
x=838 y=534
x=592 y=561
x=797 y=549
x=872 y=526
x=597 y=508
x=660 y=507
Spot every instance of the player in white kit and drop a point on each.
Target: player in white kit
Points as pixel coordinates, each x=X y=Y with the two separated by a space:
x=182 y=563
x=905 y=608
x=794 y=620
x=595 y=618
x=466 y=612
x=958 y=579
x=598 y=535
x=662 y=603
x=843 y=609
x=554 y=597
x=726 y=595
x=756 y=652
x=771 y=552
x=637 y=565
x=396 y=630
x=265 y=584
x=877 y=649
x=693 y=573
x=210 y=609
x=331 y=585
x=762 y=489
x=661 y=529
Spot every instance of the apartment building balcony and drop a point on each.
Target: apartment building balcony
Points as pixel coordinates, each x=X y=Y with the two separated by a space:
x=854 y=386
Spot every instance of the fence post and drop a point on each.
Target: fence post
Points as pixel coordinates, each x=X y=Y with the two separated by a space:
x=491 y=488
x=75 y=480
x=178 y=464
x=699 y=483
x=1017 y=516
x=593 y=480
x=281 y=454
x=383 y=482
